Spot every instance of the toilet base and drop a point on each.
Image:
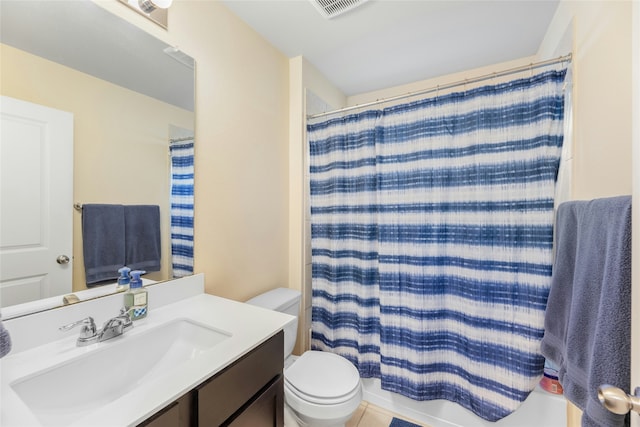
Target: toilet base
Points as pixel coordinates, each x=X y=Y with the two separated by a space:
x=292 y=420
x=289 y=418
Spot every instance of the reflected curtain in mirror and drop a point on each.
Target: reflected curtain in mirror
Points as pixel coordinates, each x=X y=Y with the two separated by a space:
x=181 y=151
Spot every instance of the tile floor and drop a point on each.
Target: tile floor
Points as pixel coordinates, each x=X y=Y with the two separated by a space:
x=369 y=415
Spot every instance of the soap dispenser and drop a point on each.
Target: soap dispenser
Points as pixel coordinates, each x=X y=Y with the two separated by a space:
x=123 y=280
x=135 y=299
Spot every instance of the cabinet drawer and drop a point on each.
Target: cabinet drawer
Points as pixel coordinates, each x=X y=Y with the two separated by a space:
x=221 y=396
x=266 y=410
x=176 y=414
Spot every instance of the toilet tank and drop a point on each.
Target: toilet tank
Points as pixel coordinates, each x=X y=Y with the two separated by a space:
x=286 y=301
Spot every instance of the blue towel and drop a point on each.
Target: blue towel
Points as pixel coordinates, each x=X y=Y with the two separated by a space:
x=142 y=237
x=588 y=315
x=5 y=341
x=102 y=241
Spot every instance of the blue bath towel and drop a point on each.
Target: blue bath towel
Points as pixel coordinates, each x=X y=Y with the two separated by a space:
x=103 y=244
x=142 y=237
x=5 y=341
x=588 y=315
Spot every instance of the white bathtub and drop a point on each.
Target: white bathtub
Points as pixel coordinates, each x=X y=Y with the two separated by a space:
x=540 y=409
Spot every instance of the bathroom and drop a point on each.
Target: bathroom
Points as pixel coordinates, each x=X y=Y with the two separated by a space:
x=244 y=170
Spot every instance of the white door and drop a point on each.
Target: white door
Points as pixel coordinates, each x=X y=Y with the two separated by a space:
x=635 y=250
x=36 y=206
x=635 y=284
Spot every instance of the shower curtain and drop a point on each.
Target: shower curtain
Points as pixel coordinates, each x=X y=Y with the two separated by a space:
x=431 y=233
x=182 y=207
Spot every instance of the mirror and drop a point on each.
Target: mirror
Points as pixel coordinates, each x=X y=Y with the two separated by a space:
x=129 y=93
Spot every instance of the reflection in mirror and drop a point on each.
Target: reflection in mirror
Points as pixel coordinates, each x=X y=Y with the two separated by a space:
x=128 y=95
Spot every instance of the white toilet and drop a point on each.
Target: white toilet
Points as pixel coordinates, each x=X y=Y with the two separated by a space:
x=320 y=388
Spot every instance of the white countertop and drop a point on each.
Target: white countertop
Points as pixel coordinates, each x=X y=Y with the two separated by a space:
x=248 y=326
x=39 y=305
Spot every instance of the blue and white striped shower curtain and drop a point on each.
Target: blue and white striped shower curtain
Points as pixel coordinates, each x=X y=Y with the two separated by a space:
x=182 y=207
x=432 y=229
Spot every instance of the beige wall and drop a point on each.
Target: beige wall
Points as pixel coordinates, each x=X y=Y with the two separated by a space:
x=441 y=80
x=241 y=148
x=601 y=38
x=120 y=142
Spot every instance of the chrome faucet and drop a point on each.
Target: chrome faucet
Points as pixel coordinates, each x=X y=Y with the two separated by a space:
x=112 y=328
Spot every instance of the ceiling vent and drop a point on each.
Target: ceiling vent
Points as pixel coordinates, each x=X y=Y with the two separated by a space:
x=332 y=8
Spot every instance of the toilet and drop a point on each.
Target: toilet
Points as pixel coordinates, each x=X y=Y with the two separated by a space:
x=320 y=389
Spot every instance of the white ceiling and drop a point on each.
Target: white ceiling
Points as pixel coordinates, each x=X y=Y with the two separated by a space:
x=381 y=44
x=385 y=43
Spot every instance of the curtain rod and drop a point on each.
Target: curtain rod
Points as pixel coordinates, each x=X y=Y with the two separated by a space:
x=186 y=138
x=532 y=66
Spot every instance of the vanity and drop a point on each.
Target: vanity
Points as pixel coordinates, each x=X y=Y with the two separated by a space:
x=249 y=393
x=196 y=360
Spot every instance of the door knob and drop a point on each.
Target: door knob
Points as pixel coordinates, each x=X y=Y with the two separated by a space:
x=618 y=401
x=63 y=259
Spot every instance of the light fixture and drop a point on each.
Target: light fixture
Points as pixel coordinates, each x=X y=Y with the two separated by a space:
x=149 y=6
x=155 y=10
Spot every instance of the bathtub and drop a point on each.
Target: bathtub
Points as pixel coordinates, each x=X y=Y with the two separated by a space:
x=540 y=409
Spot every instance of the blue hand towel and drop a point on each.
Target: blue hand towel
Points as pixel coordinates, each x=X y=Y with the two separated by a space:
x=142 y=237
x=588 y=315
x=5 y=341
x=103 y=241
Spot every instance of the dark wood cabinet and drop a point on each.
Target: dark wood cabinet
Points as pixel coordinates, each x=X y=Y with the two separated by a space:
x=267 y=410
x=247 y=393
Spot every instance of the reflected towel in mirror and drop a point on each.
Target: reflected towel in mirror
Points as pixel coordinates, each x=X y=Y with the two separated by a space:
x=142 y=237
x=103 y=241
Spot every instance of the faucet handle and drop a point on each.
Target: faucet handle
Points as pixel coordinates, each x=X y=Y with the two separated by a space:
x=88 y=327
x=126 y=314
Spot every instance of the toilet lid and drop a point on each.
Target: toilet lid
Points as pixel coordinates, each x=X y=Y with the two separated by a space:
x=321 y=375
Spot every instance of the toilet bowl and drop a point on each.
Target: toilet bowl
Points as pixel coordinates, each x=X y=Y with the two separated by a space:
x=320 y=389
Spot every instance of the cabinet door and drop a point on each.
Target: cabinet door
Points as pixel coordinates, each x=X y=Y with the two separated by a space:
x=267 y=410
x=168 y=417
x=176 y=414
x=228 y=392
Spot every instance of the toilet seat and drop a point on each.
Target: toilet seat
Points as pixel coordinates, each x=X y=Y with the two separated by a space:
x=322 y=378
x=318 y=400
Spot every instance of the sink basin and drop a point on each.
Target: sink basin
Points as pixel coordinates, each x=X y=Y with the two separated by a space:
x=63 y=393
